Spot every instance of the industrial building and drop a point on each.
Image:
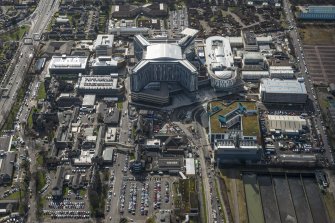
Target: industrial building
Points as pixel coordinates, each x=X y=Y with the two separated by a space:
x=190 y=167
x=287 y=125
x=254 y=75
x=281 y=72
x=283 y=91
x=234 y=131
x=314 y=12
x=104 y=65
x=67 y=65
x=161 y=64
x=101 y=85
x=220 y=63
x=103 y=45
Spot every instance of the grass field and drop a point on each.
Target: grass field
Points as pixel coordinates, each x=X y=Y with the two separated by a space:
x=242 y=206
x=253 y=198
x=312 y=35
x=41 y=92
x=330 y=205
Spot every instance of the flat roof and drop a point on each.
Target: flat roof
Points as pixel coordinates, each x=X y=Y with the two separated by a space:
x=250 y=124
x=68 y=62
x=163 y=50
x=97 y=81
x=285 y=123
x=190 y=166
x=107 y=154
x=104 y=40
x=89 y=100
x=283 y=86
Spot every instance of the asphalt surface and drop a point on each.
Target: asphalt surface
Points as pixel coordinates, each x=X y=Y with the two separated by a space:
x=299 y=51
x=24 y=56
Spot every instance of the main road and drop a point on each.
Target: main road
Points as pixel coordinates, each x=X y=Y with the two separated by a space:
x=14 y=77
x=298 y=48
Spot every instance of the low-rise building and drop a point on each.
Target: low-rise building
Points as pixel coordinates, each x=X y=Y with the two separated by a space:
x=283 y=91
x=104 y=65
x=57 y=182
x=103 y=45
x=287 y=125
x=100 y=85
x=68 y=66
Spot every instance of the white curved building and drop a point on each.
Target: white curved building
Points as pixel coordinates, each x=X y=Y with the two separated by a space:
x=220 y=63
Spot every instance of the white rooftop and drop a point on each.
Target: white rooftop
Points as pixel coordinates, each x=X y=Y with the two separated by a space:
x=97 y=82
x=68 y=62
x=190 y=166
x=163 y=51
x=285 y=123
x=104 y=40
x=283 y=86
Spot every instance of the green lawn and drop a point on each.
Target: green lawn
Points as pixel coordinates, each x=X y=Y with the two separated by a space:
x=14 y=196
x=41 y=92
x=39 y=160
x=41 y=181
x=119 y=105
x=82 y=192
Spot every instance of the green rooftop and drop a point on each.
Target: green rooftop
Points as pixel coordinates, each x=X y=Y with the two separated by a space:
x=219 y=109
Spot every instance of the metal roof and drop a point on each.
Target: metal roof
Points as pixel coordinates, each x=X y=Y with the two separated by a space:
x=190 y=166
x=286 y=123
x=163 y=50
x=283 y=86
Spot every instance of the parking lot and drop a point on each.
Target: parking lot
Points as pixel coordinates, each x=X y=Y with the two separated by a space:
x=144 y=195
x=73 y=205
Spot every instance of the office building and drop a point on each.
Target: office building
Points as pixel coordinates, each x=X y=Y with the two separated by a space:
x=67 y=66
x=104 y=65
x=100 y=85
x=283 y=91
x=103 y=45
x=220 y=63
x=234 y=131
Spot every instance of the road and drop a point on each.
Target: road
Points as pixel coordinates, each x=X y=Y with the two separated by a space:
x=200 y=142
x=298 y=47
x=13 y=79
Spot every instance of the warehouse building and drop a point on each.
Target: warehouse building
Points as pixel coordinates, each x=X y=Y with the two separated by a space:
x=190 y=167
x=254 y=75
x=287 y=125
x=103 y=45
x=68 y=65
x=281 y=72
x=313 y=12
x=283 y=91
